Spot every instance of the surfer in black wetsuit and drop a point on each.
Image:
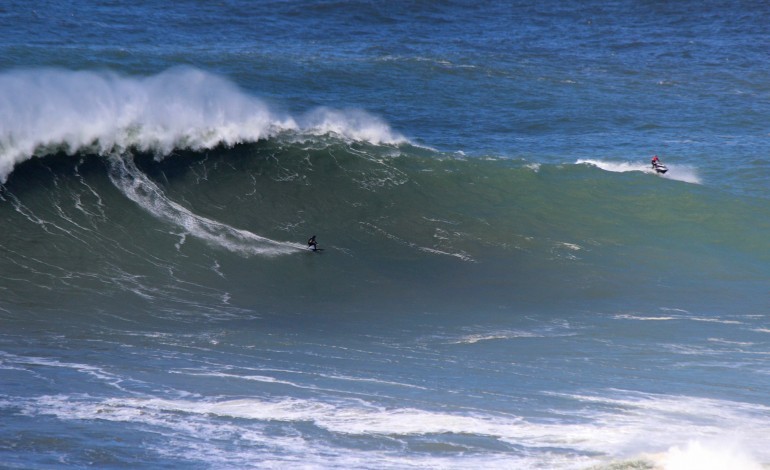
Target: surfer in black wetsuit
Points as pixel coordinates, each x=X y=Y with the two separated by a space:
x=312 y=243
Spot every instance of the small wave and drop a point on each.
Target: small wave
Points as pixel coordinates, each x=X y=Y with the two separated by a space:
x=436 y=62
x=642 y=318
x=676 y=317
x=499 y=335
x=254 y=378
x=46 y=111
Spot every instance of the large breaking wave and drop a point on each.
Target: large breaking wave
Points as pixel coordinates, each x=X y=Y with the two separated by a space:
x=45 y=111
x=247 y=180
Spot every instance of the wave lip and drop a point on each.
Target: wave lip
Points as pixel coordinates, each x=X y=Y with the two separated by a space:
x=45 y=111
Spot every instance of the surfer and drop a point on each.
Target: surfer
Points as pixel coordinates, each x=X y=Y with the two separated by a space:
x=312 y=243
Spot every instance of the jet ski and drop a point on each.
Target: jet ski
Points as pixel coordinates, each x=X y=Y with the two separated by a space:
x=659 y=167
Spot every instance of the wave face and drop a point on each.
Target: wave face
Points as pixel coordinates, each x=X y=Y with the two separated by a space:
x=392 y=217
x=183 y=172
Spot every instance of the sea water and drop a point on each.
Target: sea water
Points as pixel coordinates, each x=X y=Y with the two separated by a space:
x=504 y=281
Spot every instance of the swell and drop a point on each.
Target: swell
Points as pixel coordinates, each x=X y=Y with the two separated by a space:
x=223 y=229
x=415 y=198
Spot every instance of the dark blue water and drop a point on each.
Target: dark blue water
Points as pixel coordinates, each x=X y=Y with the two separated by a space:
x=504 y=282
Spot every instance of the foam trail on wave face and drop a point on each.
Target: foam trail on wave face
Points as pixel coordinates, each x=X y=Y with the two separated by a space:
x=136 y=186
x=44 y=111
x=682 y=173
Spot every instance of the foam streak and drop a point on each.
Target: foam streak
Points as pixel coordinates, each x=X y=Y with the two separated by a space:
x=137 y=187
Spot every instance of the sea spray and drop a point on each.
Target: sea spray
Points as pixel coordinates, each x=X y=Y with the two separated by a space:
x=46 y=111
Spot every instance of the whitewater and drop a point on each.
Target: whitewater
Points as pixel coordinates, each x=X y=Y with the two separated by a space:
x=504 y=282
x=50 y=110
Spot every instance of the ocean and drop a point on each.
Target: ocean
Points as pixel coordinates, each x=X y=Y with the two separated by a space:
x=502 y=282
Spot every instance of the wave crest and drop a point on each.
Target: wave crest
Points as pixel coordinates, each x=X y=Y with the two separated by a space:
x=45 y=111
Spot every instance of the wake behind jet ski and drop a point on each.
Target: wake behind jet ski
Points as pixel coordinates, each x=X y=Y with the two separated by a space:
x=658 y=166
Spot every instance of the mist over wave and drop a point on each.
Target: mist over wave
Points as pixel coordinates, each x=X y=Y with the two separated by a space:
x=45 y=111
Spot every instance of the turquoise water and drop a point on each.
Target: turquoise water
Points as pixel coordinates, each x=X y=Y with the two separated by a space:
x=504 y=282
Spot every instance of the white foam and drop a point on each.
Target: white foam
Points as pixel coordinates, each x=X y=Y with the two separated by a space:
x=495 y=335
x=533 y=166
x=600 y=429
x=642 y=318
x=352 y=124
x=566 y=250
x=97 y=373
x=203 y=435
x=699 y=433
x=707 y=456
x=684 y=173
x=371 y=380
x=255 y=378
x=616 y=167
x=716 y=320
x=49 y=110
x=459 y=255
x=685 y=316
x=140 y=189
